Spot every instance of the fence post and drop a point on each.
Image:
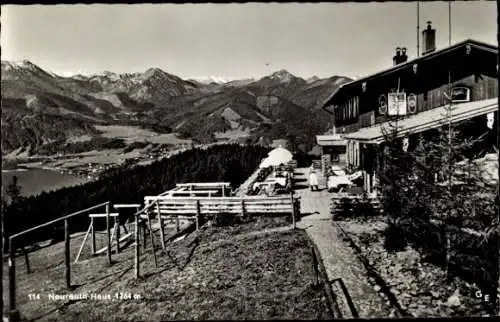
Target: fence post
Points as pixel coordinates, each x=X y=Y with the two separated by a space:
x=160 y=221
x=243 y=208
x=27 y=260
x=66 y=253
x=93 y=235
x=177 y=223
x=197 y=215
x=136 y=246
x=117 y=235
x=293 y=209
x=144 y=228
x=13 y=313
x=108 y=231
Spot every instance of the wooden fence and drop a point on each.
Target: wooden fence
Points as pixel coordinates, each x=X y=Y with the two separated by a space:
x=194 y=207
x=13 y=312
x=337 y=199
x=336 y=206
x=165 y=207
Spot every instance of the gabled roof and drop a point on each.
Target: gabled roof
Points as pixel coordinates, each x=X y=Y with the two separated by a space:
x=424 y=121
x=473 y=43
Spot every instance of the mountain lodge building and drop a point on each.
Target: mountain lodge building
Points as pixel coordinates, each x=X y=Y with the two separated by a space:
x=414 y=92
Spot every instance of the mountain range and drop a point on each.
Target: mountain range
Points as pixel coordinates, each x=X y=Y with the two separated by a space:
x=40 y=107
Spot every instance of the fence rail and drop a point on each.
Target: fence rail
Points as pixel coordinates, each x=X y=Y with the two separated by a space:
x=197 y=206
x=13 y=312
x=337 y=199
x=336 y=204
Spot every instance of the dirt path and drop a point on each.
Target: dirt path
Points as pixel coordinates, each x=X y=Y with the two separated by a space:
x=339 y=259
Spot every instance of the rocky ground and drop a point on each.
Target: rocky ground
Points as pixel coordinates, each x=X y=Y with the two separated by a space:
x=420 y=288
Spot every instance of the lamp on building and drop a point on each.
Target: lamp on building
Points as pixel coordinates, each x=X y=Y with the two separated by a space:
x=415 y=68
x=363 y=86
x=406 y=144
x=490 y=120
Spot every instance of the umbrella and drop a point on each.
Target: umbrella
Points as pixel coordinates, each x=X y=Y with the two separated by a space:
x=276 y=157
x=281 y=154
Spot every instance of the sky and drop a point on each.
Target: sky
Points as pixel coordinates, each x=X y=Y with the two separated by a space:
x=233 y=41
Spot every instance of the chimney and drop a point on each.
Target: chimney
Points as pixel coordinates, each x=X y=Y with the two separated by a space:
x=396 y=59
x=404 y=57
x=400 y=56
x=428 y=39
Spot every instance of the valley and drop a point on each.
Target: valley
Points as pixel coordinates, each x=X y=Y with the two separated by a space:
x=80 y=127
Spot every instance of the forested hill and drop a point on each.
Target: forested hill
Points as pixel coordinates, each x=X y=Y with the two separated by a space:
x=232 y=163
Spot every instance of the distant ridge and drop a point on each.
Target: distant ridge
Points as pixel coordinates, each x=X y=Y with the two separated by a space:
x=39 y=107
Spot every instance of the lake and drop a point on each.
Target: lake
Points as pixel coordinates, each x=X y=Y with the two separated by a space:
x=34 y=181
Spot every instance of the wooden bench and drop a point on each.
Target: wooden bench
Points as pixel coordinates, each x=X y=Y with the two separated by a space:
x=193 y=193
x=224 y=187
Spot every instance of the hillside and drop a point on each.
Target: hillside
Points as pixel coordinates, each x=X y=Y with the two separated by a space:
x=39 y=107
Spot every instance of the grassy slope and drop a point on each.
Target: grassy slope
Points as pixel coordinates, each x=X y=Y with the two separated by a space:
x=221 y=274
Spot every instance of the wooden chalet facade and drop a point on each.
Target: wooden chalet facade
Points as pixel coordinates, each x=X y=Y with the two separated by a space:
x=361 y=108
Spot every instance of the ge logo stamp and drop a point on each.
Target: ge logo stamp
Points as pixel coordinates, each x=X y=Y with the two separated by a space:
x=118 y=296
x=480 y=295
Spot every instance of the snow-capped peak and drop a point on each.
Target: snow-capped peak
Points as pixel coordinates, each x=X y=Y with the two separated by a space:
x=110 y=75
x=22 y=64
x=211 y=79
x=313 y=79
x=282 y=76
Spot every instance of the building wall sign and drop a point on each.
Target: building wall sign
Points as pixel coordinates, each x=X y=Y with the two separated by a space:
x=382 y=104
x=396 y=104
x=412 y=103
x=460 y=94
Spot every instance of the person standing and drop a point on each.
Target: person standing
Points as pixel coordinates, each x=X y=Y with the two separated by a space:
x=313 y=181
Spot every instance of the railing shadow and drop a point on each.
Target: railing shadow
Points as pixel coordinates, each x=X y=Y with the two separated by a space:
x=348 y=298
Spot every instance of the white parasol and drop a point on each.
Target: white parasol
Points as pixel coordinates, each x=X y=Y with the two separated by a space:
x=276 y=157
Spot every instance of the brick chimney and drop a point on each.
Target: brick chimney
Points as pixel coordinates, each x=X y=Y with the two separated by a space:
x=400 y=56
x=397 y=58
x=428 y=39
x=404 y=57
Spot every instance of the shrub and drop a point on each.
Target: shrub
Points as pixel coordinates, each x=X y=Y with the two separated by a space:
x=346 y=209
x=364 y=208
x=395 y=239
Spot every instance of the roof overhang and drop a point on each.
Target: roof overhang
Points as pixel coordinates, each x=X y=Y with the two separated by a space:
x=330 y=140
x=424 y=121
x=402 y=68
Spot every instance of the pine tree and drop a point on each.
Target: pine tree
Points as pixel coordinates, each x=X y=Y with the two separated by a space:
x=458 y=181
x=14 y=190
